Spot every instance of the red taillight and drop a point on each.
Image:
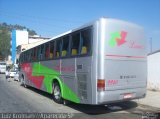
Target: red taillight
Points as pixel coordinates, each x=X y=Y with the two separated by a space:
x=100 y=84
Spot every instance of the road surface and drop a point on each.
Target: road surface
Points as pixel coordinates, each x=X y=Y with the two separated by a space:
x=14 y=98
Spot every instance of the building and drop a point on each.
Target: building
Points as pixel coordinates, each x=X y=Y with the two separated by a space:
x=32 y=41
x=18 y=37
x=22 y=41
x=154 y=70
x=22 y=47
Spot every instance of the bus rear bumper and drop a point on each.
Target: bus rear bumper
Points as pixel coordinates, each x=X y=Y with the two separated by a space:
x=106 y=97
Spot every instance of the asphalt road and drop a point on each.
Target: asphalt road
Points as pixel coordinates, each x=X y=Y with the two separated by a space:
x=14 y=98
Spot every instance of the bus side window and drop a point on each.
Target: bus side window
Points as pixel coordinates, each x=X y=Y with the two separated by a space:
x=26 y=56
x=29 y=55
x=39 y=53
x=47 y=51
x=34 y=54
x=51 y=54
x=75 y=44
x=42 y=52
x=65 y=47
x=85 y=41
x=58 y=48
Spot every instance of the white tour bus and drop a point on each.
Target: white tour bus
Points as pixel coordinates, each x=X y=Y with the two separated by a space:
x=99 y=63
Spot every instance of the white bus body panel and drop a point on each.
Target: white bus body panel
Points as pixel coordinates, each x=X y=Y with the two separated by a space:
x=118 y=57
x=121 y=61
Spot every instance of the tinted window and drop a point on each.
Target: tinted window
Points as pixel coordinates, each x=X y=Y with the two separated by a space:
x=27 y=56
x=65 y=47
x=47 y=51
x=51 y=54
x=58 y=47
x=78 y=43
x=42 y=52
x=39 y=52
x=85 y=41
x=34 y=52
x=30 y=58
x=75 y=43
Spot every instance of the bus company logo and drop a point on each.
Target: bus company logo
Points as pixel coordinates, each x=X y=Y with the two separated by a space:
x=117 y=38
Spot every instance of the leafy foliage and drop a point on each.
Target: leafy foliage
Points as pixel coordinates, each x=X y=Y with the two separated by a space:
x=5 y=37
x=16 y=27
x=4 y=43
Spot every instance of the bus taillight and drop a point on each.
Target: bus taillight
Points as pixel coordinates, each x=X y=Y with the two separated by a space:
x=100 y=84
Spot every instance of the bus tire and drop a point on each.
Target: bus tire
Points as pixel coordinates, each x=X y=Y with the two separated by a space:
x=57 y=97
x=66 y=102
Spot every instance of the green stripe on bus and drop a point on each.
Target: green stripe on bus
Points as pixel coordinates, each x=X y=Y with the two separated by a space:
x=49 y=76
x=69 y=94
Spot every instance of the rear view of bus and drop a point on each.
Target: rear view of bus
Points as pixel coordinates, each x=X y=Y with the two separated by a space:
x=121 y=61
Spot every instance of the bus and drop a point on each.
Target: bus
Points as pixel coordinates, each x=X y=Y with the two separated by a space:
x=3 y=67
x=98 y=63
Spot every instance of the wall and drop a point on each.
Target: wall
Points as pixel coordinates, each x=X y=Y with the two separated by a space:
x=154 y=71
x=21 y=37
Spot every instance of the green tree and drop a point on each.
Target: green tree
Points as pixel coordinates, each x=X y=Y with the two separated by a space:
x=4 y=43
x=5 y=37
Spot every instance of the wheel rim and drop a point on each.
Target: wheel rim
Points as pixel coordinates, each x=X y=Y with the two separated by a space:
x=57 y=93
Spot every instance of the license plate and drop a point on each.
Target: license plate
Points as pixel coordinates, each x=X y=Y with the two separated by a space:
x=126 y=96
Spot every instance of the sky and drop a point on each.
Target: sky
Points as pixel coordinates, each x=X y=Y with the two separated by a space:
x=52 y=17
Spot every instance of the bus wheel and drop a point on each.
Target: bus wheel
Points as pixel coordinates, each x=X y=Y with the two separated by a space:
x=66 y=102
x=57 y=97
